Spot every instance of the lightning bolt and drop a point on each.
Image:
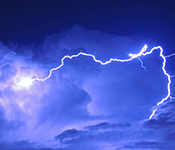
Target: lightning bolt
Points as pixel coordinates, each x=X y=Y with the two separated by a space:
x=132 y=56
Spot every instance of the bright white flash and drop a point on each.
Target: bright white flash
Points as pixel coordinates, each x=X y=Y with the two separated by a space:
x=25 y=82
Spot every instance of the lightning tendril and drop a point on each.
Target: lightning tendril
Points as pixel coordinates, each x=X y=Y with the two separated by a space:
x=142 y=65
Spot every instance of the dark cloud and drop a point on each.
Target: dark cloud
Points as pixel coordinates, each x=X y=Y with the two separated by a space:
x=163 y=124
x=72 y=133
x=23 y=145
x=162 y=121
x=16 y=145
x=146 y=145
x=157 y=133
x=165 y=117
x=106 y=125
x=98 y=136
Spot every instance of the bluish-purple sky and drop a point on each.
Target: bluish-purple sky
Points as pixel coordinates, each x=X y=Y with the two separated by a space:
x=84 y=105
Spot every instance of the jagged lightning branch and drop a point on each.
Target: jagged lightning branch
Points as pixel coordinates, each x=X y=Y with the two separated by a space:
x=132 y=56
x=170 y=55
x=142 y=65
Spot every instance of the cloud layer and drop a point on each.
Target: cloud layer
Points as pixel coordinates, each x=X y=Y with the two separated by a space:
x=83 y=104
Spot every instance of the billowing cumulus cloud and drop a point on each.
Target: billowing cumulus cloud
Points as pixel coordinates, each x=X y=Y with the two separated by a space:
x=83 y=101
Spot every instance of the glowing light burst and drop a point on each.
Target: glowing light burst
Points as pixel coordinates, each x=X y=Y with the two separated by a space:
x=27 y=82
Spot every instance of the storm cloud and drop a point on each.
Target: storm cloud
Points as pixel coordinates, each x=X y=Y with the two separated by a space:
x=83 y=102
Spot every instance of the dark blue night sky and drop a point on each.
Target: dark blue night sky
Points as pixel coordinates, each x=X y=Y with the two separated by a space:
x=84 y=105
